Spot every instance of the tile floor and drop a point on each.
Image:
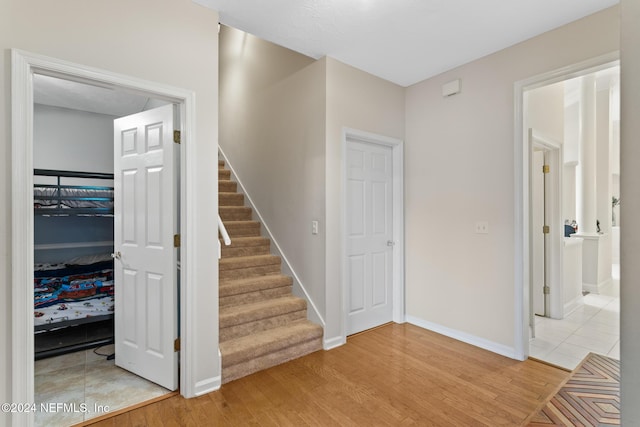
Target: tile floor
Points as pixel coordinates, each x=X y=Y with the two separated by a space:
x=593 y=327
x=88 y=384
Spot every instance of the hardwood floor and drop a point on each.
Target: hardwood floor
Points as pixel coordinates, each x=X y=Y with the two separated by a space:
x=391 y=376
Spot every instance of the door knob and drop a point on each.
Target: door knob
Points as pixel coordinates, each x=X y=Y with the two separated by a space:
x=390 y=243
x=116 y=255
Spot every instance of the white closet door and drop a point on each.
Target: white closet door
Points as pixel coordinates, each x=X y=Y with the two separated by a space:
x=145 y=265
x=370 y=245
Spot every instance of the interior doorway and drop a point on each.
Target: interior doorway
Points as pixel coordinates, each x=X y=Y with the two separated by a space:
x=74 y=232
x=24 y=67
x=373 y=268
x=569 y=323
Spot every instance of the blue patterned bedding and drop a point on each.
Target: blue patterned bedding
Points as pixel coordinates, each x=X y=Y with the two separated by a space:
x=73 y=292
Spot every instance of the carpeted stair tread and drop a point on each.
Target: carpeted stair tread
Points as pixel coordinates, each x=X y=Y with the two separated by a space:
x=235 y=213
x=239 y=262
x=224 y=174
x=235 y=315
x=242 y=228
x=253 y=284
x=253 y=346
x=269 y=360
x=245 y=246
x=220 y=163
x=248 y=266
x=226 y=186
x=230 y=199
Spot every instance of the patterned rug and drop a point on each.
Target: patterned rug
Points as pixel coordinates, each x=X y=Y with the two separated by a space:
x=590 y=397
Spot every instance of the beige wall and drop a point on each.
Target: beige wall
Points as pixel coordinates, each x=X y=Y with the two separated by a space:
x=630 y=205
x=459 y=169
x=272 y=113
x=360 y=101
x=281 y=121
x=175 y=44
x=544 y=111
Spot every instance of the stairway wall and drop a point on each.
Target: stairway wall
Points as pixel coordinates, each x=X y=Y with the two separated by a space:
x=272 y=131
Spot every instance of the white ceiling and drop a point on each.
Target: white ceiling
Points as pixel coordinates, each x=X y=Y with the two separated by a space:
x=57 y=92
x=403 y=41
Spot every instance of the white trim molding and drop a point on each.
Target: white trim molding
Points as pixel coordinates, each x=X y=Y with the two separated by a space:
x=476 y=341
x=23 y=66
x=397 y=153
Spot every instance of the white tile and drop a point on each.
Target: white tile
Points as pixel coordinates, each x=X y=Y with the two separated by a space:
x=601 y=344
x=591 y=330
x=539 y=347
x=607 y=317
x=563 y=360
x=59 y=362
x=572 y=350
x=615 y=351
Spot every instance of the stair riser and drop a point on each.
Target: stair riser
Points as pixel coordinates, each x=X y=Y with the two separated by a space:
x=249 y=230
x=227 y=186
x=224 y=174
x=230 y=373
x=241 y=263
x=248 y=328
x=230 y=199
x=230 y=252
x=250 y=272
x=235 y=214
x=254 y=296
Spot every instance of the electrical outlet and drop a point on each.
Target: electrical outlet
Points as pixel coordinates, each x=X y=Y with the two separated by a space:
x=482 y=227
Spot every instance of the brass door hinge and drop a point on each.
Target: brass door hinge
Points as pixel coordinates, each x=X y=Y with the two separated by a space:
x=545 y=229
x=546 y=169
x=176 y=344
x=176 y=240
x=546 y=290
x=176 y=137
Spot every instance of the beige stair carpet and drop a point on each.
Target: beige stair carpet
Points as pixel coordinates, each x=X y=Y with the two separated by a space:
x=261 y=323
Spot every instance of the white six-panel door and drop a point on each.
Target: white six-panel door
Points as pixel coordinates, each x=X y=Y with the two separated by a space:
x=369 y=228
x=145 y=265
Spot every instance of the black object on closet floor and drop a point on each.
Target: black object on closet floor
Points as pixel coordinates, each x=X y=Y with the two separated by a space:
x=73 y=338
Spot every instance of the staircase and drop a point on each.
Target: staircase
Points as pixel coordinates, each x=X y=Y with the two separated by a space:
x=261 y=323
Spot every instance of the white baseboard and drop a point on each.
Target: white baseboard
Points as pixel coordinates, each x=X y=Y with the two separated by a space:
x=485 y=344
x=207 y=386
x=329 y=343
x=595 y=289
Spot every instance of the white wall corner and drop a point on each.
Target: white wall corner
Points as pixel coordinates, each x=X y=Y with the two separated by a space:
x=207 y=385
x=485 y=344
x=330 y=343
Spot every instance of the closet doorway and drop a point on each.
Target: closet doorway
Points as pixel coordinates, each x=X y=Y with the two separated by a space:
x=86 y=284
x=24 y=67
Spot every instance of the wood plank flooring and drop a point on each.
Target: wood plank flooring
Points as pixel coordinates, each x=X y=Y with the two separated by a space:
x=391 y=376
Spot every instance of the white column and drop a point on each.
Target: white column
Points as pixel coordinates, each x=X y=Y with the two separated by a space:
x=587 y=201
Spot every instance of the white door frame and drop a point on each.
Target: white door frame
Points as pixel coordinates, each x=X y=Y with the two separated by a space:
x=23 y=66
x=397 y=154
x=554 y=255
x=522 y=185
